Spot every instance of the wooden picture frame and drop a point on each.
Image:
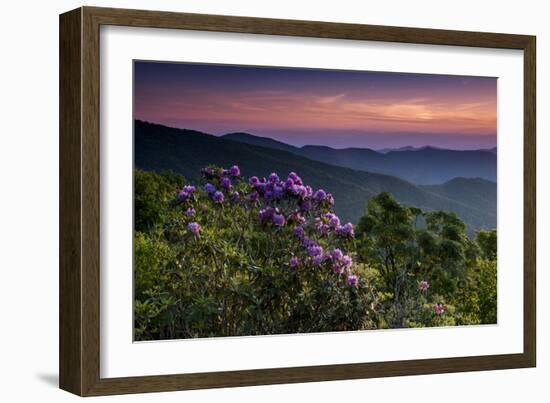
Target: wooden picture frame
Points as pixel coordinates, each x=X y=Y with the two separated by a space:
x=79 y=346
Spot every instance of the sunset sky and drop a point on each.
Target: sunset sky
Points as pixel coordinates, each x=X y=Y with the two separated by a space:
x=328 y=107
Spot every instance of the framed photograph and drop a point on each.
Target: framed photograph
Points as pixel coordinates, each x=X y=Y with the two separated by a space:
x=249 y=201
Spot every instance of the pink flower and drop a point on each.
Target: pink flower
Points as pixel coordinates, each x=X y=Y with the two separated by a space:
x=194 y=227
x=347 y=261
x=424 y=285
x=438 y=309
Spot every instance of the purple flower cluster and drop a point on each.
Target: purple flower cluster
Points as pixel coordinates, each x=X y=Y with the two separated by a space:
x=294 y=261
x=424 y=285
x=313 y=249
x=316 y=256
x=345 y=230
x=194 y=227
x=331 y=222
x=274 y=189
x=438 y=309
x=226 y=183
x=273 y=215
x=266 y=214
x=320 y=195
x=218 y=197
x=225 y=179
x=341 y=263
x=299 y=232
x=353 y=280
x=278 y=220
x=301 y=201
x=281 y=203
x=209 y=188
x=186 y=192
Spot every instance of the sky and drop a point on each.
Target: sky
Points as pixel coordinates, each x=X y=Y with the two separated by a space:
x=336 y=108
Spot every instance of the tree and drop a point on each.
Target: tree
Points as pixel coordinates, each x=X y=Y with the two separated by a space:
x=152 y=193
x=487 y=241
x=407 y=247
x=386 y=240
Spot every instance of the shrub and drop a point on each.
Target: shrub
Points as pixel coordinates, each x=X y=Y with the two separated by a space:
x=234 y=256
x=249 y=257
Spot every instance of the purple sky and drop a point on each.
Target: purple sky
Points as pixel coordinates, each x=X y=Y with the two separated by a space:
x=313 y=106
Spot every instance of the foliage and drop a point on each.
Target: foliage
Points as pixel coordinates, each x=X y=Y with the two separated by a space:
x=487 y=241
x=425 y=258
x=244 y=258
x=231 y=257
x=152 y=194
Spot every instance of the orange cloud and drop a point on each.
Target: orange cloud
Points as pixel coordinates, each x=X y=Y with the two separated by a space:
x=285 y=109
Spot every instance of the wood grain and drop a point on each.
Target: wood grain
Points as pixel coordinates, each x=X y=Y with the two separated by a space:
x=530 y=203
x=70 y=230
x=80 y=196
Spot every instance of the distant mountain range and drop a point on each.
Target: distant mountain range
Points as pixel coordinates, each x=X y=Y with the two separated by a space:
x=411 y=148
x=423 y=166
x=160 y=148
x=405 y=148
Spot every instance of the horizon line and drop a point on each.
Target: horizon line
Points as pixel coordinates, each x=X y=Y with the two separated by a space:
x=377 y=149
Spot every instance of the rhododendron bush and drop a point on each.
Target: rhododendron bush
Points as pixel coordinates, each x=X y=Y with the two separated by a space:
x=230 y=256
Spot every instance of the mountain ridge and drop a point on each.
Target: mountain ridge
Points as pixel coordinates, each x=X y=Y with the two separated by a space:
x=160 y=148
x=426 y=165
